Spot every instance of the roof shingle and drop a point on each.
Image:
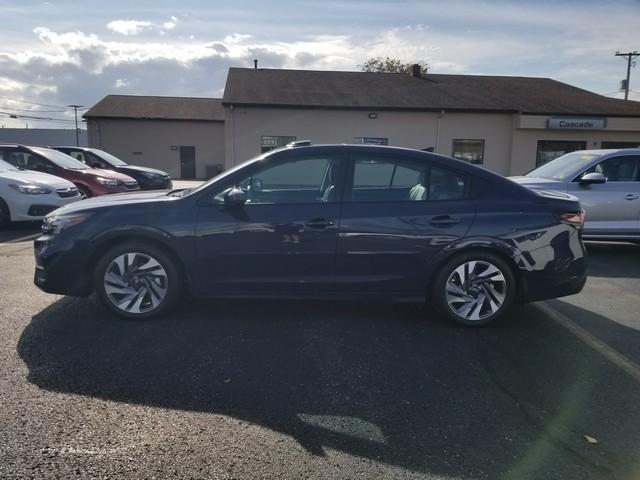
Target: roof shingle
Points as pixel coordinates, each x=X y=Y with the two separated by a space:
x=329 y=89
x=162 y=108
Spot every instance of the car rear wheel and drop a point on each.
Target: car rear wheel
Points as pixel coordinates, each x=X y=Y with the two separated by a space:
x=137 y=281
x=474 y=289
x=5 y=216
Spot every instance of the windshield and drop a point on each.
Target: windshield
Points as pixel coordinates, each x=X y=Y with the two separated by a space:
x=60 y=159
x=107 y=157
x=563 y=167
x=7 y=167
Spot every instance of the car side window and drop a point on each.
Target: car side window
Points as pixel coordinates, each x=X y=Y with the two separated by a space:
x=77 y=155
x=619 y=169
x=299 y=180
x=397 y=180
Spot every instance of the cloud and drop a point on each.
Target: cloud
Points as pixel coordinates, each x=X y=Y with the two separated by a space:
x=136 y=27
x=128 y=27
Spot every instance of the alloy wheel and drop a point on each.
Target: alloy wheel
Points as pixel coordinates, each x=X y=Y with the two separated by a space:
x=476 y=290
x=135 y=282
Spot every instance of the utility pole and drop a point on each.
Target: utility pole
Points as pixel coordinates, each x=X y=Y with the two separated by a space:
x=75 y=112
x=630 y=59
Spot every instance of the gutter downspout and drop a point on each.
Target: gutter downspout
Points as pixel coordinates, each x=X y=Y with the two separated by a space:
x=437 y=147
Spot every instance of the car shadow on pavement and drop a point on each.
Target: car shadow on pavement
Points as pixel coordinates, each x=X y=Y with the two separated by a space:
x=379 y=382
x=19 y=230
x=607 y=259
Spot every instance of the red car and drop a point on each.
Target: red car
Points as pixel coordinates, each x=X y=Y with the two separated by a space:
x=90 y=181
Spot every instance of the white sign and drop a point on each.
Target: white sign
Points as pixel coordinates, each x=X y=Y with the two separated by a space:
x=577 y=123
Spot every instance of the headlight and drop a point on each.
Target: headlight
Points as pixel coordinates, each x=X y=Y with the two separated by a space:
x=54 y=224
x=30 y=189
x=151 y=175
x=108 y=182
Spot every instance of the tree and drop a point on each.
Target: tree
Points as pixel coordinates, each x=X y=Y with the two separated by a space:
x=390 y=65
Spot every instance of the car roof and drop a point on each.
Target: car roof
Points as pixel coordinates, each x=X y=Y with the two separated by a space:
x=610 y=151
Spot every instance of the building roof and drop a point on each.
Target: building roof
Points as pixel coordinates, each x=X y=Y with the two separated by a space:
x=399 y=91
x=158 y=108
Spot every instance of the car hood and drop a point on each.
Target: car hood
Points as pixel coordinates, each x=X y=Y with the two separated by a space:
x=36 y=178
x=98 y=172
x=115 y=200
x=136 y=168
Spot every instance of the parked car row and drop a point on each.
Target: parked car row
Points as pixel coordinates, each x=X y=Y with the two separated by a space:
x=37 y=180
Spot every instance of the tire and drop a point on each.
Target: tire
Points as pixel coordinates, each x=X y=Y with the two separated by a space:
x=470 y=301
x=5 y=215
x=84 y=192
x=148 y=293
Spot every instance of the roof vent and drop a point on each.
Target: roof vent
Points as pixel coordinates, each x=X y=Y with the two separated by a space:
x=415 y=70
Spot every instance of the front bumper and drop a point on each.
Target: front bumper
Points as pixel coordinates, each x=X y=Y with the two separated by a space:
x=60 y=267
x=155 y=184
x=25 y=208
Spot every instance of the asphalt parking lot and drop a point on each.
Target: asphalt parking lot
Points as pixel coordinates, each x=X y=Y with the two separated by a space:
x=255 y=389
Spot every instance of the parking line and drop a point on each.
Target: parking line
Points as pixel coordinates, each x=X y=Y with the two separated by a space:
x=615 y=357
x=21 y=239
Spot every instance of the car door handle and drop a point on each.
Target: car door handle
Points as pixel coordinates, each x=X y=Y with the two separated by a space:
x=631 y=196
x=443 y=220
x=318 y=223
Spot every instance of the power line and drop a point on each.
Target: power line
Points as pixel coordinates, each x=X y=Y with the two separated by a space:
x=31 y=117
x=4 y=107
x=39 y=104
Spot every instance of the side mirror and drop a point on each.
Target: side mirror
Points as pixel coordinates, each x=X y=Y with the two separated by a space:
x=592 y=178
x=235 y=197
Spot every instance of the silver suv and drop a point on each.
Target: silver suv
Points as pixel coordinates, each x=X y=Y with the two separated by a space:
x=607 y=182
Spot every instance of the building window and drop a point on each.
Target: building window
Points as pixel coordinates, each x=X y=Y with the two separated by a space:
x=269 y=142
x=371 y=140
x=551 y=149
x=620 y=144
x=469 y=150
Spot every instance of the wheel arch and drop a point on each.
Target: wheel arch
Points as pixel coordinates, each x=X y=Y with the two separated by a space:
x=110 y=239
x=502 y=250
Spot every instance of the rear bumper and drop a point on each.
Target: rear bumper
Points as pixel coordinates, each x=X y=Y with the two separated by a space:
x=557 y=270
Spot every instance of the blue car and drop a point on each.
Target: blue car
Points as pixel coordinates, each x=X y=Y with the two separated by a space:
x=325 y=221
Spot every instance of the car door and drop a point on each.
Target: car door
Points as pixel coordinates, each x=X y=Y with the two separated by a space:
x=612 y=208
x=397 y=214
x=282 y=241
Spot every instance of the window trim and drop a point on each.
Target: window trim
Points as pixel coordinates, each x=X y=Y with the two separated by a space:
x=576 y=179
x=347 y=190
x=583 y=142
x=280 y=158
x=454 y=140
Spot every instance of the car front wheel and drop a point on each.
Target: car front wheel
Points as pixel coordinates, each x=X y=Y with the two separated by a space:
x=474 y=289
x=137 y=281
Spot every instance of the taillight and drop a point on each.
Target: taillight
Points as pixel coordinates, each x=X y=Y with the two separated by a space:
x=574 y=218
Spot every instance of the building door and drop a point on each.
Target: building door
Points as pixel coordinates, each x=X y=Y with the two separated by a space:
x=187 y=162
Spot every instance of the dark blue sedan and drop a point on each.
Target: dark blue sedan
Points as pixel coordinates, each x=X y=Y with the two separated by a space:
x=331 y=221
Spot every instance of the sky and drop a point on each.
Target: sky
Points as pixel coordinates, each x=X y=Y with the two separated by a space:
x=58 y=53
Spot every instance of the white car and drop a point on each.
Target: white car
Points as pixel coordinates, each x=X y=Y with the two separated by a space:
x=26 y=195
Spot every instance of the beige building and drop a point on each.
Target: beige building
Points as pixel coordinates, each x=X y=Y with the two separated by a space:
x=507 y=124
x=181 y=136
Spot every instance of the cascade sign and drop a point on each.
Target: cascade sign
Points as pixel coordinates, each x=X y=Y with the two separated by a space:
x=577 y=123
